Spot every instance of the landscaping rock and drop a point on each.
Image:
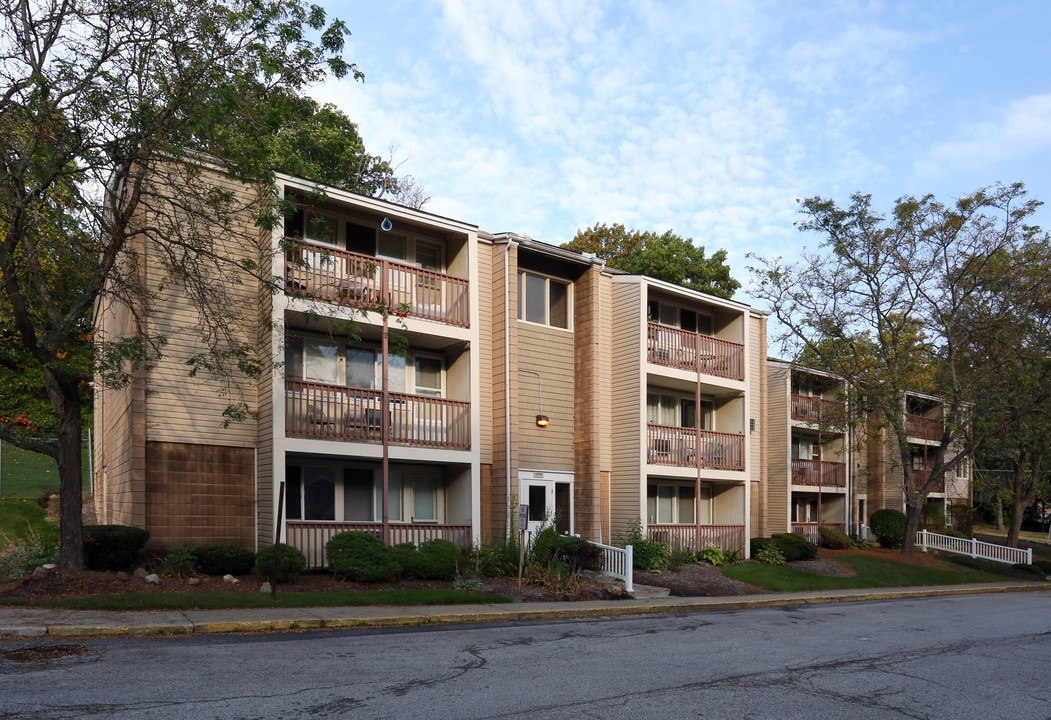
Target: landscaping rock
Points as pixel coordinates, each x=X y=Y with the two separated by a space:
x=265 y=587
x=140 y=572
x=194 y=581
x=153 y=579
x=230 y=579
x=123 y=576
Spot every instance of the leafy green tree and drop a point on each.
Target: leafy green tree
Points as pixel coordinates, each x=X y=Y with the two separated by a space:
x=101 y=101
x=886 y=304
x=664 y=257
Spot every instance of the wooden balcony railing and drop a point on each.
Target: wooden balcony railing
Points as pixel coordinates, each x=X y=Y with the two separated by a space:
x=696 y=538
x=310 y=536
x=692 y=351
x=819 y=411
x=920 y=476
x=682 y=447
x=810 y=530
x=819 y=473
x=917 y=426
x=314 y=410
x=370 y=283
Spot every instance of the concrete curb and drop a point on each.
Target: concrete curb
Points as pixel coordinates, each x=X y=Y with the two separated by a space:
x=35 y=622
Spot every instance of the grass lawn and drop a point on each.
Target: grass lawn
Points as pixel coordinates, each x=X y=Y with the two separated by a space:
x=872 y=572
x=218 y=599
x=25 y=474
x=24 y=519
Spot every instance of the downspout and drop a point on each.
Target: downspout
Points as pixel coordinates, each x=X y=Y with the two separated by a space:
x=507 y=387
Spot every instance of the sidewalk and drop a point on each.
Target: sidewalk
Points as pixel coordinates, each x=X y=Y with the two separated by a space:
x=38 y=622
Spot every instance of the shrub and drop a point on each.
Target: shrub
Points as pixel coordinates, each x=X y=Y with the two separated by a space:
x=680 y=557
x=1043 y=565
x=543 y=546
x=889 y=527
x=179 y=560
x=291 y=562
x=494 y=560
x=647 y=554
x=963 y=519
x=112 y=547
x=769 y=554
x=756 y=544
x=934 y=516
x=714 y=555
x=577 y=553
x=833 y=539
x=362 y=557
x=25 y=555
x=222 y=559
x=795 y=547
x=433 y=560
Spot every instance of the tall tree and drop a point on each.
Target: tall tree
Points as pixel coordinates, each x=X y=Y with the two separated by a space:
x=1009 y=361
x=98 y=99
x=665 y=257
x=885 y=305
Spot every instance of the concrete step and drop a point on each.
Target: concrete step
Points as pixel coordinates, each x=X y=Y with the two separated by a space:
x=647 y=592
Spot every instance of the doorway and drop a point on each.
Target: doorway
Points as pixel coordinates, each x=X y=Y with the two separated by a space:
x=549 y=496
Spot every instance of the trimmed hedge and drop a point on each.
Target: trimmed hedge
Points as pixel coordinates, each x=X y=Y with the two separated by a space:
x=362 y=557
x=222 y=559
x=112 y=547
x=291 y=562
x=433 y=560
x=889 y=527
x=834 y=539
x=793 y=547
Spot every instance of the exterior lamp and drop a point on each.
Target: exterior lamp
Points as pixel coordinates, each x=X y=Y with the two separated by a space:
x=542 y=420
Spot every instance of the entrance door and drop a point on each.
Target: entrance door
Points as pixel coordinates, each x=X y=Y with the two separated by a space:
x=549 y=496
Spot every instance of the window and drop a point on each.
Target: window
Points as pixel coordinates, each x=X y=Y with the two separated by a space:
x=543 y=300
x=334 y=363
x=671 y=504
x=677 y=411
x=355 y=494
x=805 y=449
x=679 y=317
x=428 y=374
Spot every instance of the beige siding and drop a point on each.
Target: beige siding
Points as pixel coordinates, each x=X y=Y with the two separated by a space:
x=487 y=310
x=626 y=486
x=550 y=352
x=778 y=436
x=588 y=410
x=499 y=315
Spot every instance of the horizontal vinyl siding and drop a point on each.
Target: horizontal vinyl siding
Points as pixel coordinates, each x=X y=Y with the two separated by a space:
x=626 y=382
x=548 y=351
x=778 y=434
x=489 y=308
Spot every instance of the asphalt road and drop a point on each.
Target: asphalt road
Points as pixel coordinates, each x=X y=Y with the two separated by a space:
x=982 y=656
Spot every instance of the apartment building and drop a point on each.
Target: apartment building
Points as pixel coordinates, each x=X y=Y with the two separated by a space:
x=425 y=379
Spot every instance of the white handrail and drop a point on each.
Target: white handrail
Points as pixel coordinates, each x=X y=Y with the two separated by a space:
x=617 y=562
x=974 y=547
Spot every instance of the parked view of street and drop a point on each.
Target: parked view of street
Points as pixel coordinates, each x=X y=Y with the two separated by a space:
x=980 y=656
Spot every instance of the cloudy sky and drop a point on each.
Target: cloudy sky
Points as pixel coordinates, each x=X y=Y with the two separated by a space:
x=708 y=117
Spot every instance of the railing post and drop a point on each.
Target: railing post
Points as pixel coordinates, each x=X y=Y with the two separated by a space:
x=923 y=540
x=629 y=558
x=1029 y=556
x=974 y=547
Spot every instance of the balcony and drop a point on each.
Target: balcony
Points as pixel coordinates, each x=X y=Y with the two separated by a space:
x=819 y=411
x=810 y=531
x=310 y=536
x=369 y=283
x=924 y=428
x=920 y=476
x=698 y=537
x=692 y=351
x=687 y=447
x=332 y=412
x=819 y=473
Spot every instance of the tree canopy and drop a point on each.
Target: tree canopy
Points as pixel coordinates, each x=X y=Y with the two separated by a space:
x=665 y=257
x=889 y=302
x=99 y=101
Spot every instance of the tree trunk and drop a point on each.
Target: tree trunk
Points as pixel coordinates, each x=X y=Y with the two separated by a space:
x=913 y=516
x=999 y=512
x=65 y=398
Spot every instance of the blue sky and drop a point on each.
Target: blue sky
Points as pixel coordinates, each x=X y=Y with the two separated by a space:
x=710 y=118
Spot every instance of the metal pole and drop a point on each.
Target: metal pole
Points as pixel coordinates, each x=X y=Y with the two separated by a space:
x=385 y=402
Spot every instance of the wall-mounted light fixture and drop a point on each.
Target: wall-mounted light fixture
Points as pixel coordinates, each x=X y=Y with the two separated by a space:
x=542 y=420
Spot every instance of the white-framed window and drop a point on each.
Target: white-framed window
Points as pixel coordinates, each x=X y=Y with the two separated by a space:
x=804 y=448
x=805 y=385
x=675 y=316
x=676 y=504
x=331 y=362
x=678 y=411
x=329 y=491
x=543 y=300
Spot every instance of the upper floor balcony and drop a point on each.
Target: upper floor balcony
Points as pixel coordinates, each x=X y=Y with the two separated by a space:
x=920 y=476
x=819 y=473
x=370 y=283
x=810 y=409
x=333 y=412
x=690 y=447
x=923 y=428
x=693 y=351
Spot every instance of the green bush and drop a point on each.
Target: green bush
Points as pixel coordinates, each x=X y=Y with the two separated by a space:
x=889 y=527
x=934 y=516
x=833 y=539
x=543 y=546
x=1043 y=565
x=795 y=547
x=179 y=560
x=494 y=560
x=1019 y=570
x=577 y=553
x=646 y=554
x=680 y=557
x=362 y=557
x=433 y=560
x=221 y=559
x=769 y=553
x=714 y=555
x=963 y=519
x=291 y=562
x=112 y=547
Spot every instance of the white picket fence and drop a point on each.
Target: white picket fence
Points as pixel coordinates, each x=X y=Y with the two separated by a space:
x=617 y=562
x=975 y=548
